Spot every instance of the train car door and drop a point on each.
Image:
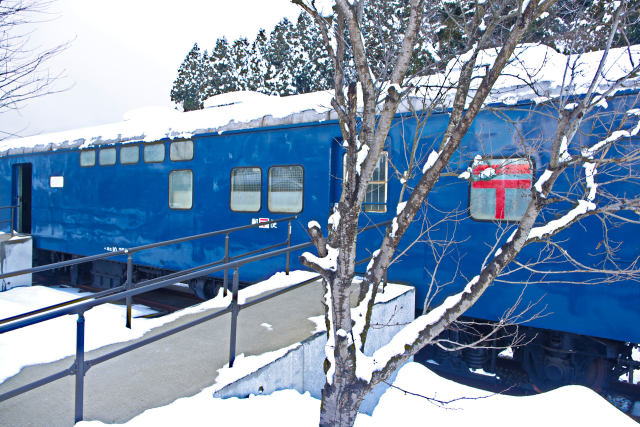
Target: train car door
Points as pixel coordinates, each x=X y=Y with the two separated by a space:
x=22 y=197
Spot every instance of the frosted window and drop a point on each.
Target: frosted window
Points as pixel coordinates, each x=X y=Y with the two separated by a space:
x=129 y=154
x=286 y=188
x=181 y=189
x=154 y=153
x=504 y=194
x=375 y=199
x=246 y=187
x=107 y=157
x=88 y=158
x=181 y=150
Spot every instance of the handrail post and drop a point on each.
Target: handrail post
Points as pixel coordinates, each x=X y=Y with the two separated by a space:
x=226 y=260
x=288 y=246
x=79 y=367
x=234 y=318
x=128 y=286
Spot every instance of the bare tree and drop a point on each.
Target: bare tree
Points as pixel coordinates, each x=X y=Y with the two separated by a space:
x=23 y=72
x=367 y=107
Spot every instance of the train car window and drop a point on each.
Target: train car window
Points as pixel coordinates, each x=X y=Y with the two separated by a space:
x=375 y=200
x=107 y=157
x=246 y=189
x=129 y=155
x=500 y=188
x=286 y=189
x=181 y=189
x=154 y=153
x=181 y=150
x=87 y=158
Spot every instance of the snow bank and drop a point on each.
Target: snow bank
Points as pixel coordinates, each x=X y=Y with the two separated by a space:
x=571 y=405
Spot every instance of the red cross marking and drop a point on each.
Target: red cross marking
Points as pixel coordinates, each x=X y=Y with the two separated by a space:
x=500 y=185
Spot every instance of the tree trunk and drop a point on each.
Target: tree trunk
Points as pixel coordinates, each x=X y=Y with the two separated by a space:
x=340 y=402
x=343 y=391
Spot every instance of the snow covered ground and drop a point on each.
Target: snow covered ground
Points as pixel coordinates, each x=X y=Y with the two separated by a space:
x=52 y=340
x=572 y=405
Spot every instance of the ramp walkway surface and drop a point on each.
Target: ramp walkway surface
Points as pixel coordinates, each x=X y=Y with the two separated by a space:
x=157 y=374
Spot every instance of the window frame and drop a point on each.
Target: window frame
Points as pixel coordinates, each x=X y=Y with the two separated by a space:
x=164 y=152
x=384 y=154
x=532 y=164
x=115 y=160
x=129 y=146
x=303 y=187
x=95 y=158
x=169 y=189
x=231 y=187
x=193 y=150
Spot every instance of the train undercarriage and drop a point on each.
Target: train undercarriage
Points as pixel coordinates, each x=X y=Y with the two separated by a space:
x=106 y=274
x=541 y=360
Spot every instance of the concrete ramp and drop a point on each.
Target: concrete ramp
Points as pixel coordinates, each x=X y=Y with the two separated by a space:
x=185 y=363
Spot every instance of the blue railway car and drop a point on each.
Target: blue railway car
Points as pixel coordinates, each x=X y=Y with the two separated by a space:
x=248 y=158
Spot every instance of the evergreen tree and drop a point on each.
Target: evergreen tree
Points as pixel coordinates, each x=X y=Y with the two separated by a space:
x=221 y=79
x=582 y=26
x=240 y=58
x=189 y=85
x=258 y=66
x=279 y=51
x=292 y=59
x=313 y=69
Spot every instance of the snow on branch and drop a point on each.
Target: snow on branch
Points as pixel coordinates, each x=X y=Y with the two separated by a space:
x=334 y=220
x=331 y=338
x=541 y=181
x=359 y=317
x=313 y=224
x=552 y=227
x=564 y=150
x=587 y=204
x=362 y=156
x=327 y=263
x=431 y=160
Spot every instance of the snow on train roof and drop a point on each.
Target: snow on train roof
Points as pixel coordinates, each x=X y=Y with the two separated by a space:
x=549 y=70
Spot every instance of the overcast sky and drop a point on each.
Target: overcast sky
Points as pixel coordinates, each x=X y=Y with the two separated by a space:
x=124 y=54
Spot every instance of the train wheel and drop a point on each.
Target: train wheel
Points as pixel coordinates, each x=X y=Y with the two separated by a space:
x=205 y=289
x=597 y=373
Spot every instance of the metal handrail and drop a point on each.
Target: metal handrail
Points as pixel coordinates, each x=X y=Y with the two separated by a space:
x=130 y=251
x=135 y=249
x=13 y=215
x=145 y=286
x=80 y=365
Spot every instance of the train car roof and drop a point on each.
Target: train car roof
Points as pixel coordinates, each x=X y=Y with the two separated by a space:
x=536 y=73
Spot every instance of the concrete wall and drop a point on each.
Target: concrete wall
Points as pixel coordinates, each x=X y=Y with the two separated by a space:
x=16 y=254
x=302 y=368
